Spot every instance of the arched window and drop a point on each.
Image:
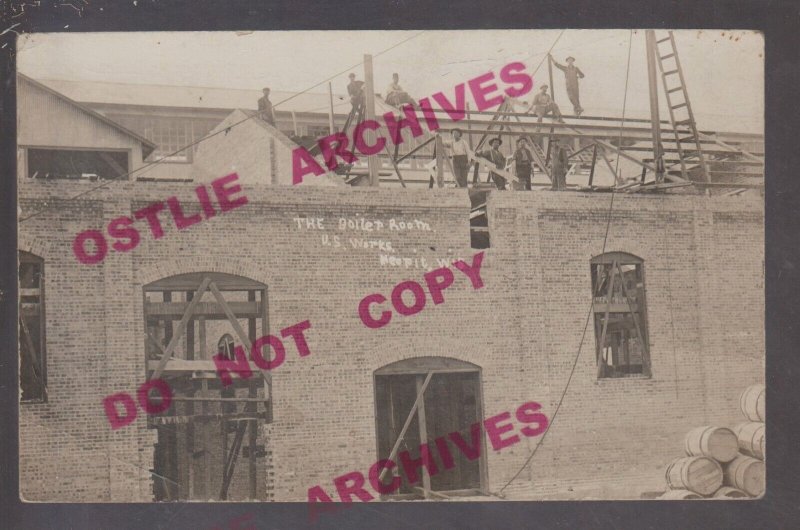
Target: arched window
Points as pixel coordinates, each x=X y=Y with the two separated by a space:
x=208 y=441
x=32 y=355
x=420 y=400
x=620 y=315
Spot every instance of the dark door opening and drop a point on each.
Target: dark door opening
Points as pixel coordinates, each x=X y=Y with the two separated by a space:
x=451 y=404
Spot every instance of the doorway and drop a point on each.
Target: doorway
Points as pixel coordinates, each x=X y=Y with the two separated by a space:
x=450 y=405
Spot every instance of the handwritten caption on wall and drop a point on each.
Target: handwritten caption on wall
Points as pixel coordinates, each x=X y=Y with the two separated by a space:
x=436 y=282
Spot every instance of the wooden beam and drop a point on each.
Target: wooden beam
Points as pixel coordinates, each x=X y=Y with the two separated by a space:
x=602 y=344
x=238 y=329
x=420 y=394
x=639 y=332
x=423 y=436
x=369 y=103
x=210 y=310
x=173 y=343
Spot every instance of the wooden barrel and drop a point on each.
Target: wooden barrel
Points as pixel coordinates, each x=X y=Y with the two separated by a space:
x=699 y=474
x=752 y=440
x=747 y=474
x=727 y=492
x=718 y=443
x=676 y=495
x=753 y=403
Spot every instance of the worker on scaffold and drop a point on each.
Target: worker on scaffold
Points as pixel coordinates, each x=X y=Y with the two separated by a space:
x=356 y=91
x=543 y=105
x=265 y=110
x=396 y=96
x=523 y=164
x=460 y=152
x=572 y=73
x=494 y=156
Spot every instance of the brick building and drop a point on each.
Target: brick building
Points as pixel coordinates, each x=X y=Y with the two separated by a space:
x=517 y=337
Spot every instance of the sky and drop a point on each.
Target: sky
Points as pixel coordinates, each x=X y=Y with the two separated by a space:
x=724 y=69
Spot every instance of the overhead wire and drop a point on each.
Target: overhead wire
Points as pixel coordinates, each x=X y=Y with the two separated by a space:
x=588 y=315
x=211 y=135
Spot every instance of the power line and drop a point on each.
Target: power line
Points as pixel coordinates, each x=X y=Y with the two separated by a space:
x=589 y=313
x=211 y=135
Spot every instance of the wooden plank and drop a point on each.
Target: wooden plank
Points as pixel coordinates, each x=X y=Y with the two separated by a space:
x=423 y=436
x=238 y=329
x=642 y=341
x=209 y=310
x=369 y=104
x=176 y=366
x=489 y=166
x=420 y=394
x=602 y=344
x=173 y=343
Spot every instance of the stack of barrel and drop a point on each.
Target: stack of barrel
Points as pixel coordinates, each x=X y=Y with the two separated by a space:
x=723 y=463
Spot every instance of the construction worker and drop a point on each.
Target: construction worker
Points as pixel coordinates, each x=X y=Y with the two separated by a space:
x=396 y=96
x=560 y=165
x=460 y=152
x=523 y=164
x=572 y=73
x=543 y=105
x=265 y=110
x=494 y=156
x=356 y=91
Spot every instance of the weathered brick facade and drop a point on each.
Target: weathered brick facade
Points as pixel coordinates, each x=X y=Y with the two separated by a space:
x=703 y=259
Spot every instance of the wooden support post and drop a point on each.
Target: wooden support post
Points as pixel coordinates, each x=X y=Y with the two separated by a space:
x=594 y=161
x=420 y=394
x=650 y=37
x=602 y=344
x=469 y=127
x=173 y=343
x=439 y=162
x=252 y=471
x=423 y=436
x=645 y=349
x=373 y=163
x=330 y=113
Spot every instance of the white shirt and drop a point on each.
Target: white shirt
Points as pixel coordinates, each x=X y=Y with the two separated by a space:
x=459 y=147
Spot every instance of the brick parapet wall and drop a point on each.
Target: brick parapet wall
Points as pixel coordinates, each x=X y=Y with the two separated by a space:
x=523 y=328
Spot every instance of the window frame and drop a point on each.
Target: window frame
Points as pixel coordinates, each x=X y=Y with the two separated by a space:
x=28 y=257
x=622 y=259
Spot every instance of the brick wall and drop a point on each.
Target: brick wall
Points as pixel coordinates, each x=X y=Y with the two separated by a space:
x=703 y=260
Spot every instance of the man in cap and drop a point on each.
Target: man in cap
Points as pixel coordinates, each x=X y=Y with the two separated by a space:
x=494 y=156
x=523 y=164
x=572 y=73
x=560 y=164
x=543 y=105
x=396 y=96
x=356 y=91
x=460 y=152
x=265 y=110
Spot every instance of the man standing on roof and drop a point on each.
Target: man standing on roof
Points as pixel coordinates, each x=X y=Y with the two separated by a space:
x=523 y=164
x=572 y=73
x=543 y=105
x=356 y=91
x=494 y=156
x=265 y=110
x=460 y=150
x=396 y=96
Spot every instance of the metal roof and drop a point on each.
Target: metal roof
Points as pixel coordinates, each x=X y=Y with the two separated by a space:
x=94 y=92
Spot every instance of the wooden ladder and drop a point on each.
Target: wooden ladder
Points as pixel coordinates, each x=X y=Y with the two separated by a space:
x=680 y=110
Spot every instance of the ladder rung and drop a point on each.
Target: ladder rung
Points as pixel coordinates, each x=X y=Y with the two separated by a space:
x=686 y=138
x=684 y=122
x=667 y=56
x=665 y=39
x=671 y=90
x=671 y=72
x=679 y=105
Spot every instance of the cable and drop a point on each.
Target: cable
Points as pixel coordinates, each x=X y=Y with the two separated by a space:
x=211 y=135
x=591 y=306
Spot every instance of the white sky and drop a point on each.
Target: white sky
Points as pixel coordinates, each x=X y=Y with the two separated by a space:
x=724 y=70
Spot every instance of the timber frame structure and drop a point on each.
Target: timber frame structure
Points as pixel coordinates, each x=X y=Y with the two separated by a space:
x=673 y=155
x=201 y=400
